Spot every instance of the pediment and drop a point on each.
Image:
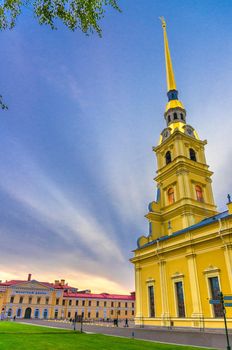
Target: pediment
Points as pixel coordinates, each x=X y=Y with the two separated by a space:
x=31 y=285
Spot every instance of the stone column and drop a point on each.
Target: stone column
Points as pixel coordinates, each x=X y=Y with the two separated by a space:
x=138 y=296
x=228 y=259
x=194 y=288
x=165 y=314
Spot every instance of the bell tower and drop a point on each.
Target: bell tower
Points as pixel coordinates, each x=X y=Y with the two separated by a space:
x=184 y=190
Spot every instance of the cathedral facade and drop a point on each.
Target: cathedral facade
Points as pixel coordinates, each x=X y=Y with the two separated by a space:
x=186 y=259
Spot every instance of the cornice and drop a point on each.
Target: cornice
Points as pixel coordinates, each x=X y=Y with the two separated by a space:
x=180 y=135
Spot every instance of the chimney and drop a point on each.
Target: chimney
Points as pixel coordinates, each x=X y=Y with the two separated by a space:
x=57 y=282
x=29 y=277
x=62 y=282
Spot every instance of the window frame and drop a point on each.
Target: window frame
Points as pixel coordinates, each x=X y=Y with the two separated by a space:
x=178 y=277
x=151 y=283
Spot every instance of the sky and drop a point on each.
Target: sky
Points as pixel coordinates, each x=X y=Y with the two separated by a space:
x=76 y=160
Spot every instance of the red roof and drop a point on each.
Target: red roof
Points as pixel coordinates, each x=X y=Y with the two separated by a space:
x=100 y=296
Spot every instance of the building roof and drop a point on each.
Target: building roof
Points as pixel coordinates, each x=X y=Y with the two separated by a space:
x=204 y=222
x=46 y=284
x=100 y=296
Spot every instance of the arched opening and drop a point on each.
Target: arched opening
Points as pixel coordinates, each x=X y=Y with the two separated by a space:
x=181 y=116
x=171 y=197
x=27 y=313
x=168 y=157
x=19 y=312
x=9 y=313
x=192 y=154
x=56 y=314
x=45 y=313
x=175 y=116
x=169 y=118
x=199 y=193
x=36 y=313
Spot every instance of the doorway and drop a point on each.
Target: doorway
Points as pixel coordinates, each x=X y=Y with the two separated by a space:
x=27 y=313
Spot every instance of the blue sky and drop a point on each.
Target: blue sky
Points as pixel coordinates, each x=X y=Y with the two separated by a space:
x=76 y=157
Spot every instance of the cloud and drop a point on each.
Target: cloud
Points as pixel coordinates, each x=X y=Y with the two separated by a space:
x=72 y=222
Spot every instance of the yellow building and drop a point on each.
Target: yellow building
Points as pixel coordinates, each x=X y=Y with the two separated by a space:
x=58 y=300
x=187 y=257
x=102 y=306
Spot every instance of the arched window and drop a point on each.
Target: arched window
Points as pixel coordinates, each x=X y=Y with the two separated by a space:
x=45 y=313
x=9 y=314
x=181 y=116
x=175 y=115
x=19 y=311
x=171 y=197
x=199 y=193
x=36 y=313
x=169 y=118
x=192 y=154
x=168 y=157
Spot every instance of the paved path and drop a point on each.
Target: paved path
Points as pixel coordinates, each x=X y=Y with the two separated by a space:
x=209 y=338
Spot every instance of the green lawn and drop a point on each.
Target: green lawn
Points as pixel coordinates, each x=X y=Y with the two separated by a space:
x=22 y=337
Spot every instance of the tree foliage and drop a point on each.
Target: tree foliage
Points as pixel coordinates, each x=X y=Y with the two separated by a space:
x=2 y=104
x=83 y=14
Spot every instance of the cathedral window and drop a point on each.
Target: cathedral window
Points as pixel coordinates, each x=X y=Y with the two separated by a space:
x=199 y=194
x=175 y=116
x=192 y=154
x=180 y=299
x=171 y=197
x=168 y=157
x=151 y=301
x=215 y=289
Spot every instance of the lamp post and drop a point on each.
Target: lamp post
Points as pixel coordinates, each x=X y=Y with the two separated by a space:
x=224 y=316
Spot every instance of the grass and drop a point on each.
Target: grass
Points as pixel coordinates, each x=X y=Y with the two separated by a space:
x=22 y=337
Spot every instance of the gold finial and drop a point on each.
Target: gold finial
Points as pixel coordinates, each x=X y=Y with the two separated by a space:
x=171 y=84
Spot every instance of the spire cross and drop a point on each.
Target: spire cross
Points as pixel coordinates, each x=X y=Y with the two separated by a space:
x=163 y=22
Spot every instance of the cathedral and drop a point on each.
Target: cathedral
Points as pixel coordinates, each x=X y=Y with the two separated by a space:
x=186 y=259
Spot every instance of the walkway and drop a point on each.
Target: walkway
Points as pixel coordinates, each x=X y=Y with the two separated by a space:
x=209 y=338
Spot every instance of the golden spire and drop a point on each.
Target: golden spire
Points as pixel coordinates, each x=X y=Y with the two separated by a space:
x=173 y=101
x=171 y=84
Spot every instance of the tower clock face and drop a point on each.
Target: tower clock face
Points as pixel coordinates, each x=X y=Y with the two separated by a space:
x=189 y=131
x=165 y=134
